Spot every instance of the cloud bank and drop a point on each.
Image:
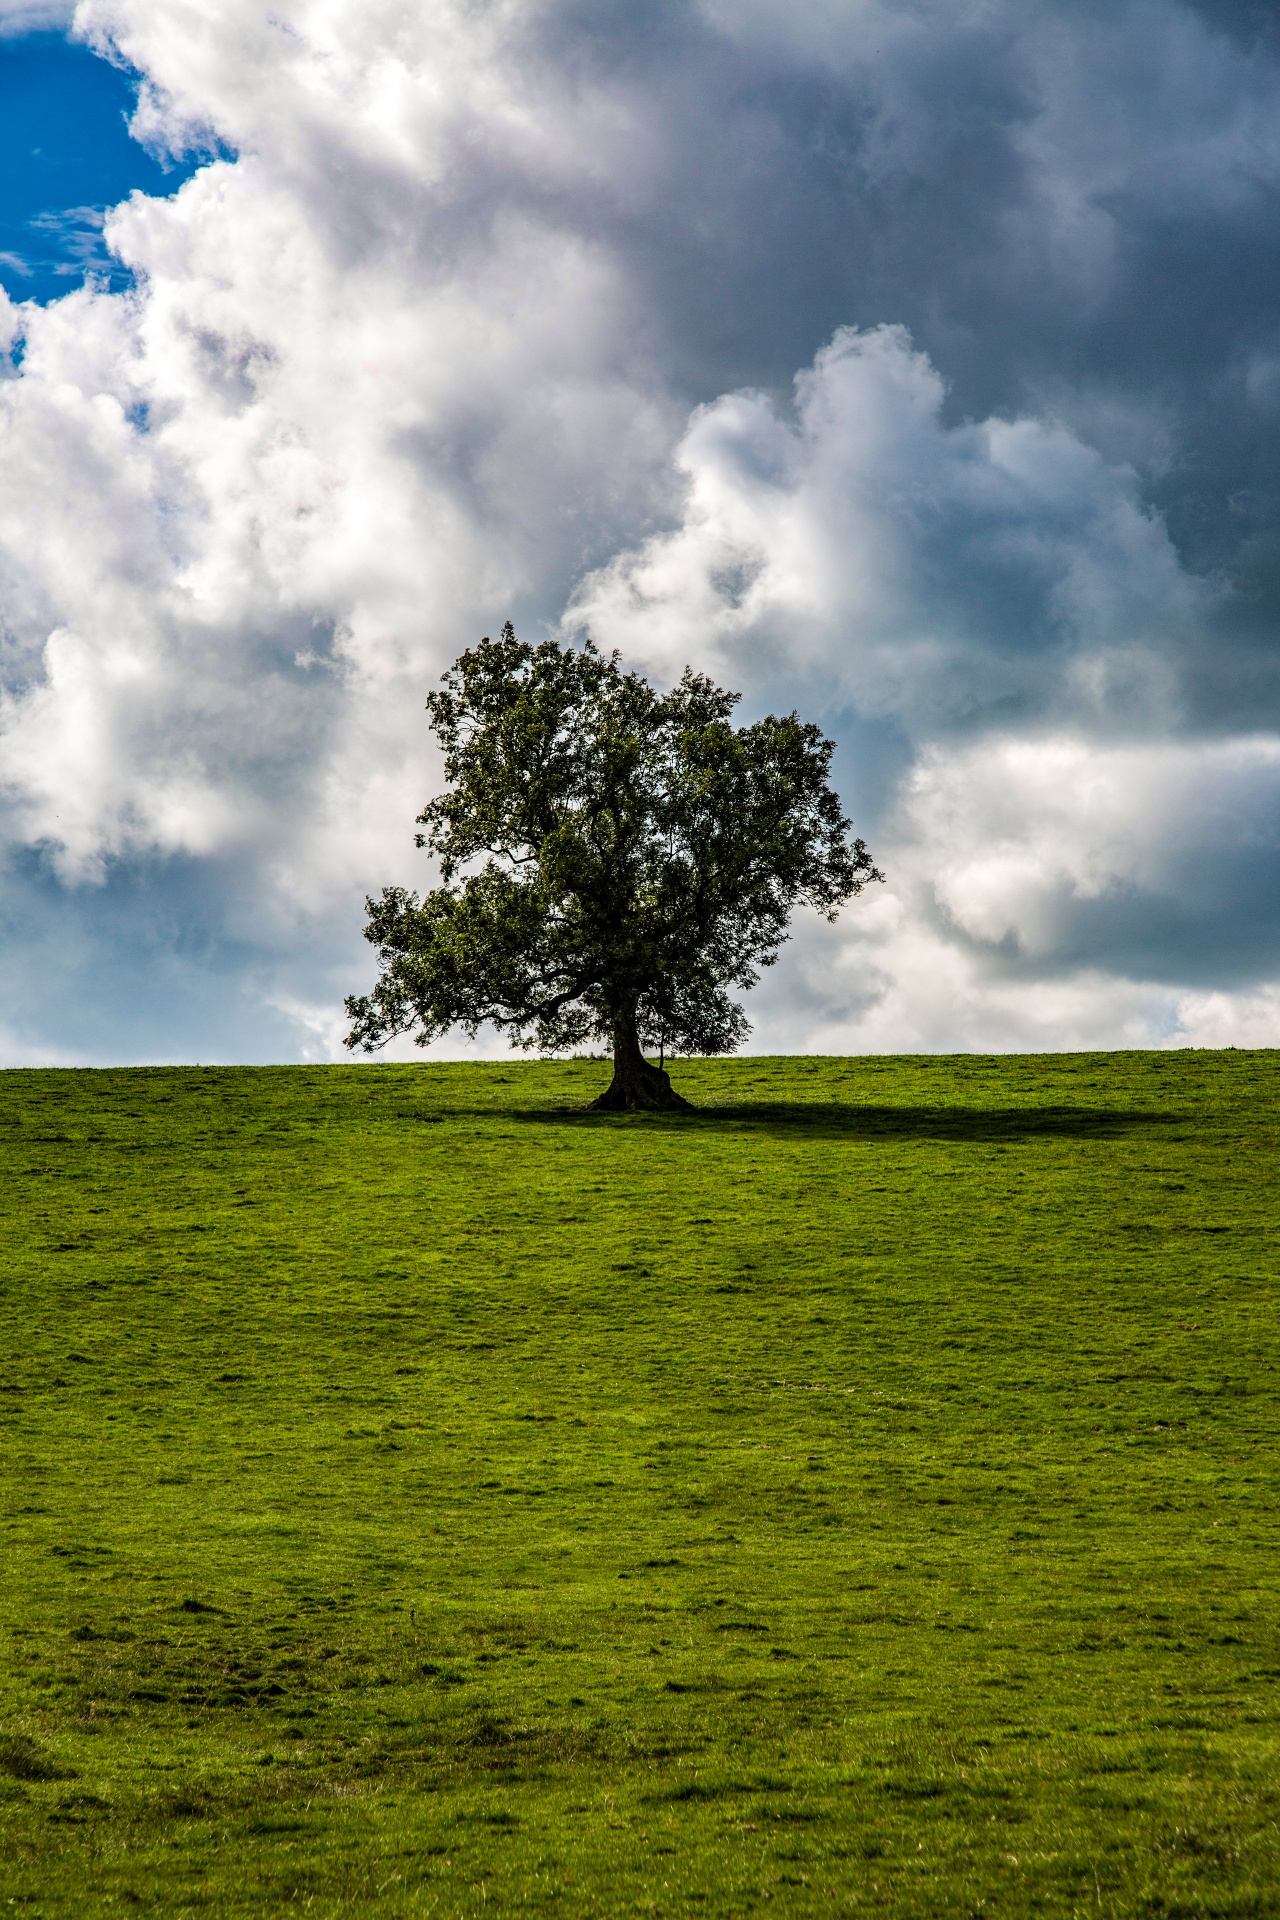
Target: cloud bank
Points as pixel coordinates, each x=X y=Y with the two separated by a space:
x=915 y=365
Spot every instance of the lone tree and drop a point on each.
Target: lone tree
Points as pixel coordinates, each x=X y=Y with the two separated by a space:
x=631 y=855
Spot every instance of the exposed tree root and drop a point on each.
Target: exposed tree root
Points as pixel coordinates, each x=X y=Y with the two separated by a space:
x=638 y=1087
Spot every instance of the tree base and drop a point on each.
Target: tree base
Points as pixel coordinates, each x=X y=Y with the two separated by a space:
x=638 y=1087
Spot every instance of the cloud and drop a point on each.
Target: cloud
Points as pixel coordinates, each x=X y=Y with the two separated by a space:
x=34 y=16
x=1050 y=892
x=67 y=244
x=1160 y=858
x=269 y=496
x=941 y=575
x=490 y=312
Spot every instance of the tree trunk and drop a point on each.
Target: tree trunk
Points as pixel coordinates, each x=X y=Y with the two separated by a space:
x=637 y=1085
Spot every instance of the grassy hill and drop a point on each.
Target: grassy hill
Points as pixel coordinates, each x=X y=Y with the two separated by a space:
x=421 y=1497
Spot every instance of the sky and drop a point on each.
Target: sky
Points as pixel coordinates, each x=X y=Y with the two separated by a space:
x=914 y=363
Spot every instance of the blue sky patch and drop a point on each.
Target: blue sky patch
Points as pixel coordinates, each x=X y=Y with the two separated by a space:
x=66 y=158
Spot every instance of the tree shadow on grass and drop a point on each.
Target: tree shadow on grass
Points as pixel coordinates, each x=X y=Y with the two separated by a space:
x=832 y=1119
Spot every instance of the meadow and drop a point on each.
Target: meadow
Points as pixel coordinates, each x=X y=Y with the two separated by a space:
x=422 y=1497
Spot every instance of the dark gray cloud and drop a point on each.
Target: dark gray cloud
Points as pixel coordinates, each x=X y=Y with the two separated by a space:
x=1073 y=210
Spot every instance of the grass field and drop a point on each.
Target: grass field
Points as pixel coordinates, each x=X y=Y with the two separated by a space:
x=421 y=1497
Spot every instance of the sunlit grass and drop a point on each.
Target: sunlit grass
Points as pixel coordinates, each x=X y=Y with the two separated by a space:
x=424 y=1497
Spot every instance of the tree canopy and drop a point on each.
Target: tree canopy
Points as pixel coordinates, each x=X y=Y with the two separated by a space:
x=612 y=861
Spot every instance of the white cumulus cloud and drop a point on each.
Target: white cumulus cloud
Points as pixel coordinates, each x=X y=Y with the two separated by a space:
x=934 y=572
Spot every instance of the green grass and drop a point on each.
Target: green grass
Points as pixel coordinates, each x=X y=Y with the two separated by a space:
x=421 y=1497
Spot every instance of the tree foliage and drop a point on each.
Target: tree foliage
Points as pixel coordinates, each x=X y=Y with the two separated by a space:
x=612 y=861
